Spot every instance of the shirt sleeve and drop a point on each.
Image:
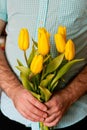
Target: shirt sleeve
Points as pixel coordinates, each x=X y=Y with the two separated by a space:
x=3 y=10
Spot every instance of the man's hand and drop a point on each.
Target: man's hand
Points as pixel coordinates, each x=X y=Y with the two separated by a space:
x=62 y=100
x=29 y=106
x=57 y=106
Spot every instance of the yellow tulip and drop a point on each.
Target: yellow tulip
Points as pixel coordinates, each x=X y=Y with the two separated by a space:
x=37 y=64
x=60 y=42
x=62 y=31
x=43 y=41
x=69 y=50
x=23 y=39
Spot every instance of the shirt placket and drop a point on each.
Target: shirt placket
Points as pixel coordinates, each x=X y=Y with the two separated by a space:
x=42 y=16
x=41 y=22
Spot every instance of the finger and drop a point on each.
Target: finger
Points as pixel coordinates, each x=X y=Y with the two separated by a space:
x=33 y=109
x=52 y=110
x=52 y=117
x=29 y=107
x=32 y=117
x=37 y=103
x=29 y=114
x=53 y=123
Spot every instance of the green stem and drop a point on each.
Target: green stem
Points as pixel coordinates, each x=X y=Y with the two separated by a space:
x=43 y=127
x=25 y=56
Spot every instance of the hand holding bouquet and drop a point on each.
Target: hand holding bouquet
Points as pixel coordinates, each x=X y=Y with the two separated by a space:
x=42 y=72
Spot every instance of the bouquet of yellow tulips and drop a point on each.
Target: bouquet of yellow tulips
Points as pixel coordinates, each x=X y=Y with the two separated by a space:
x=42 y=72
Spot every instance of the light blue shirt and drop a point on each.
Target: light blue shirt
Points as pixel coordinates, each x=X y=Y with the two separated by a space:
x=3 y=10
x=50 y=14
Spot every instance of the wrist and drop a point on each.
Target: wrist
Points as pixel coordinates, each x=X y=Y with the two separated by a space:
x=9 y=82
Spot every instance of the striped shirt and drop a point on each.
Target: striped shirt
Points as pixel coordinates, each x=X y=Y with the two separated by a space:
x=50 y=14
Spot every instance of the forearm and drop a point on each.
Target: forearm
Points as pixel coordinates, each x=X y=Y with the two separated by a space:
x=78 y=87
x=8 y=80
x=2 y=26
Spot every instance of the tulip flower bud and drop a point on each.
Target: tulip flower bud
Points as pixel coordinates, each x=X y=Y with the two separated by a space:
x=23 y=39
x=60 y=42
x=37 y=64
x=43 y=41
x=69 y=50
x=62 y=31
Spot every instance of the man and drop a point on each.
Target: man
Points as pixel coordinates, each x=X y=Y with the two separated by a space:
x=66 y=107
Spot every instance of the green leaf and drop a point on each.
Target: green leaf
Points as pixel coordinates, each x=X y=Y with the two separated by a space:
x=45 y=94
x=54 y=64
x=24 y=70
x=36 y=96
x=51 y=88
x=35 y=79
x=26 y=83
x=45 y=82
x=19 y=62
x=32 y=54
x=35 y=43
x=47 y=58
x=64 y=69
